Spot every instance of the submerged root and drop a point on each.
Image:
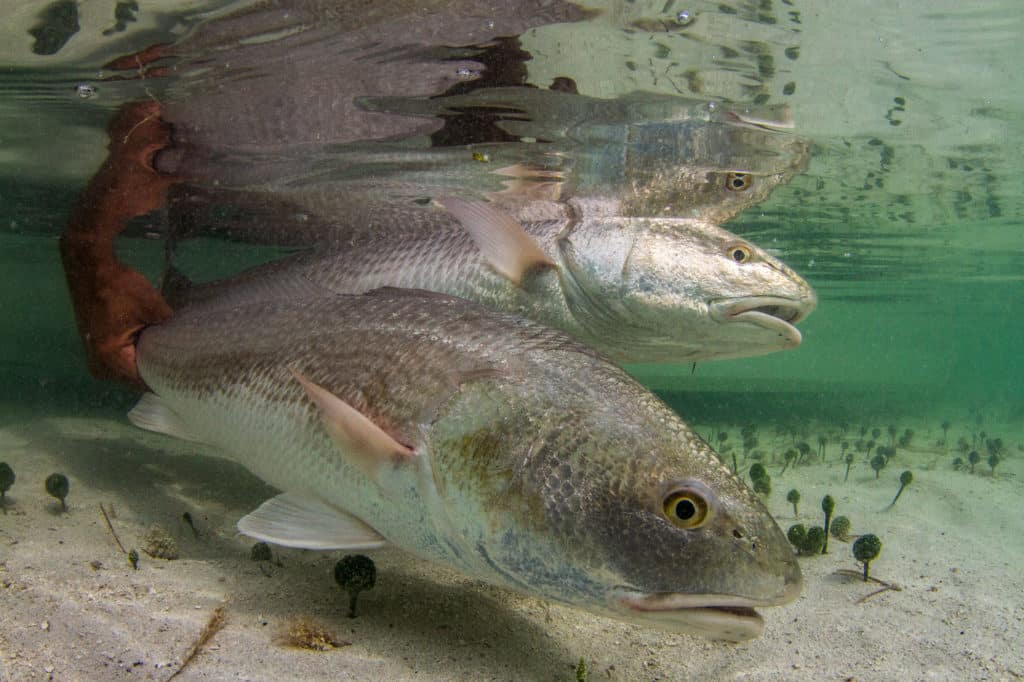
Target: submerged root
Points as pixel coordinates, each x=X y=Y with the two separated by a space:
x=213 y=626
x=886 y=586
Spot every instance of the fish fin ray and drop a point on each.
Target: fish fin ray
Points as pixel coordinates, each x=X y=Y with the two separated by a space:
x=365 y=444
x=501 y=240
x=293 y=521
x=153 y=414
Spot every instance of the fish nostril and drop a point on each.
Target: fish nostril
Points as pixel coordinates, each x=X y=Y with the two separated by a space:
x=737 y=533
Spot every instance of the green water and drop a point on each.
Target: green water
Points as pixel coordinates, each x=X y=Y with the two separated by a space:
x=907 y=221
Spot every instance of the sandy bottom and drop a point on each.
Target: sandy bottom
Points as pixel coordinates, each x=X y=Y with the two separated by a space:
x=71 y=607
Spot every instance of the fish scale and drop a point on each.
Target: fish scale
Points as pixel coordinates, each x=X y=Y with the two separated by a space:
x=498 y=446
x=635 y=289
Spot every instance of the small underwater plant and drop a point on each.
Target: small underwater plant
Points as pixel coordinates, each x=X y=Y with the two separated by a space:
x=355 y=573
x=994 y=446
x=822 y=442
x=57 y=486
x=261 y=552
x=993 y=460
x=906 y=478
x=945 y=431
x=878 y=463
x=892 y=434
x=581 y=671
x=797 y=534
x=760 y=480
x=840 y=528
x=793 y=497
x=958 y=464
x=828 y=505
x=187 y=518
x=789 y=457
x=876 y=434
x=963 y=446
x=973 y=458
x=866 y=549
x=815 y=541
x=804 y=449
x=133 y=558
x=906 y=439
x=749 y=443
x=807 y=541
x=6 y=481
x=849 y=463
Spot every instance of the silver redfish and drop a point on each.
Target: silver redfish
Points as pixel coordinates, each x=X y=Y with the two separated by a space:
x=635 y=289
x=478 y=439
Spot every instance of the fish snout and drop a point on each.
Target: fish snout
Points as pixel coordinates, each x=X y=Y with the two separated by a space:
x=772 y=313
x=804 y=296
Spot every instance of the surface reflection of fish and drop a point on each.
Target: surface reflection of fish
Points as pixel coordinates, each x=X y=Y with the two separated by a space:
x=473 y=438
x=705 y=170
x=635 y=289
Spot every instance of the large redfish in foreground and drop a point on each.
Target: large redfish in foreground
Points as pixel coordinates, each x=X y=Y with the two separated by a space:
x=474 y=438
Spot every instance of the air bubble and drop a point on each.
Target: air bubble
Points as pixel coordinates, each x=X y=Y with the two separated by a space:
x=85 y=91
x=685 y=17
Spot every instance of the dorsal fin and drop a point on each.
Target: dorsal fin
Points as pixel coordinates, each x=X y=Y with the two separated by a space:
x=501 y=240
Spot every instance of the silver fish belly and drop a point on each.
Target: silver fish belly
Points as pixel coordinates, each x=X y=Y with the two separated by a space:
x=482 y=440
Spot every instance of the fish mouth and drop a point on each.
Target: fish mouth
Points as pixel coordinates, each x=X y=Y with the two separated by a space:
x=716 y=616
x=770 y=312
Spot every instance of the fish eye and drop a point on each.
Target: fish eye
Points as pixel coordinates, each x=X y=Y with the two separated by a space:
x=738 y=182
x=740 y=253
x=685 y=509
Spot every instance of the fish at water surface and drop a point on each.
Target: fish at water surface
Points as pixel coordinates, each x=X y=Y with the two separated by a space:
x=477 y=439
x=635 y=289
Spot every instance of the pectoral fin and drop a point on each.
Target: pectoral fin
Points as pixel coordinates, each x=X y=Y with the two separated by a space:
x=502 y=241
x=365 y=444
x=292 y=520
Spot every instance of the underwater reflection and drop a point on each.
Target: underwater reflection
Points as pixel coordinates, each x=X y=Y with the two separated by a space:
x=324 y=127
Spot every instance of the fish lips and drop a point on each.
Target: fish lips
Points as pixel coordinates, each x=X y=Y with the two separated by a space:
x=716 y=616
x=773 y=313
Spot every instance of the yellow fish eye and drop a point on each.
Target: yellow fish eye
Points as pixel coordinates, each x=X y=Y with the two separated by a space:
x=738 y=182
x=740 y=253
x=685 y=509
